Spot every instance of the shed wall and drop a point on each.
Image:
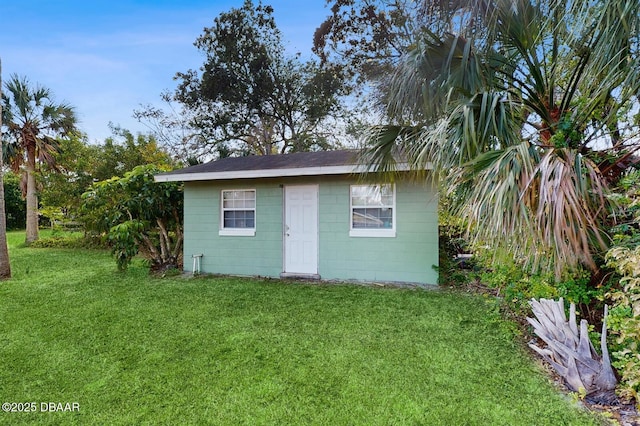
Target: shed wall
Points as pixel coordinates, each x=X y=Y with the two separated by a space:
x=407 y=257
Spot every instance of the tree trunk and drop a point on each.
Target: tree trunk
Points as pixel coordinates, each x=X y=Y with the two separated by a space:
x=165 y=242
x=32 y=197
x=5 y=266
x=177 y=249
x=571 y=353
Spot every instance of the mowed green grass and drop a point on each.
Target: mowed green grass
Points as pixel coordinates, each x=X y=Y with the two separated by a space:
x=130 y=349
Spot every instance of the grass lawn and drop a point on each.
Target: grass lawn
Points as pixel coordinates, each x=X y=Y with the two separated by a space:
x=130 y=349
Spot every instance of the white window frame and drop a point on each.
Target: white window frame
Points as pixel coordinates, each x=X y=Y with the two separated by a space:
x=241 y=232
x=373 y=232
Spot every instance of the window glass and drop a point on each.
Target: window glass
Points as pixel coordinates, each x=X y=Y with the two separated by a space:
x=372 y=207
x=239 y=209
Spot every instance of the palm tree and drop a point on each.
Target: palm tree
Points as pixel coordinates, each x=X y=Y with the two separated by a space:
x=5 y=266
x=34 y=121
x=525 y=108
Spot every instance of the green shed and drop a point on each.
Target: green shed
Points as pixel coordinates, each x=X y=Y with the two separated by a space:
x=308 y=215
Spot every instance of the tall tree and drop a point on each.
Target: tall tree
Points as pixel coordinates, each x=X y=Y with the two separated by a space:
x=33 y=121
x=5 y=266
x=367 y=38
x=250 y=98
x=526 y=107
x=172 y=126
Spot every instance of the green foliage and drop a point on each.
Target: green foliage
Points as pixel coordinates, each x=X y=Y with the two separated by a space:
x=626 y=232
x=576 y=288
x=250 y=98
x=501 y=273
x=452 y=242
x=57 y=238
x=124 y=238
x=624 y=318
x=122 y=152
x=505 y=104
x=61 y=187
x=34 y=124
x=511 y=280
x=566 y=136
x=529 y=287
x=367 y=37
x=517 y=285
x=80 y=164
x=66 y=241
x=137 y=215
x=14 y=204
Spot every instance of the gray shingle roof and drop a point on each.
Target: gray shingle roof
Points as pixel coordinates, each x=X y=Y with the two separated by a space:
x=269 y=162
x=301 y=163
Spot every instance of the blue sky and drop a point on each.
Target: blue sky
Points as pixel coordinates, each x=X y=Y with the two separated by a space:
x=106 y=58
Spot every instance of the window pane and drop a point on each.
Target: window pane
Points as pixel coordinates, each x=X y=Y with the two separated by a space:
x=359 y=201
x=371 y=195
x=250 y=220
x=372 y=206
x=229 y=219
x=239 y=219
x=372 y=218
x=358 y=191
x=238 y=208
x=238 y=199
x=387 y=200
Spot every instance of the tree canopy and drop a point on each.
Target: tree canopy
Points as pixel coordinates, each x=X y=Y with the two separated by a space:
x=80 y=164
x=367 y=38
x=526 y=108
x=173 y=128
x=249 y=97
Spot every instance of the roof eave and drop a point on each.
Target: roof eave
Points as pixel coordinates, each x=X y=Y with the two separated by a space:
x=271 y=173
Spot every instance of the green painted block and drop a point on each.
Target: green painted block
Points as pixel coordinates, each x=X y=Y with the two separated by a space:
x=407 y=257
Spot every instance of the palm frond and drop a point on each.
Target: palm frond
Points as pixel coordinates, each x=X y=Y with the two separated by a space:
x=571 y=207
x=554 y=203
x=380 y=155
x=509 y=111
x=434 y=72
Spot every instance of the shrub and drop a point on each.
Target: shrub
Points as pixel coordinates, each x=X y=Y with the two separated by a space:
x=451 y=243
x=65 y=240
x=624 y=318
x=15 y=205
x=137 y=215
x=529 y=287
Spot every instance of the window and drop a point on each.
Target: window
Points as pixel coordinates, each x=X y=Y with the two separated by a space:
x=238 y=215
x=372 y=211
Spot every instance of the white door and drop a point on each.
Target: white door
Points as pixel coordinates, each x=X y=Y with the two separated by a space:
x=301 y=229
